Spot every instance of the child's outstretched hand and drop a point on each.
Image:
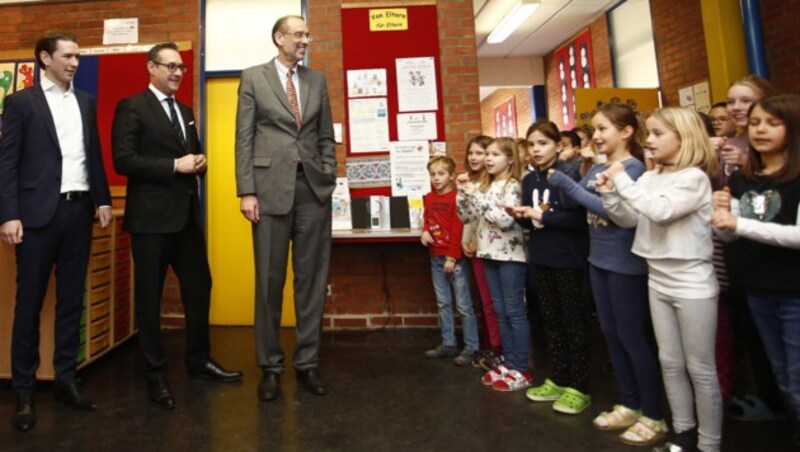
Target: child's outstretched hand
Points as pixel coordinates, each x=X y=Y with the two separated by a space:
x=550 y=173
x=721 y=199
x=449 y=265
x=463 y=183
x=426 y=238
x=724 y=220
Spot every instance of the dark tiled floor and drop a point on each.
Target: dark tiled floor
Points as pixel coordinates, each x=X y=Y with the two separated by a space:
x=385 y=397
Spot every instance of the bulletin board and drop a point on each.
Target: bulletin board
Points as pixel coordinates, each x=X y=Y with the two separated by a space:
x=364 y=49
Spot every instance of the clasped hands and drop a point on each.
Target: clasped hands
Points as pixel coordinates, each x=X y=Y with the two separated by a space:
x=191 y=164
x=722 y=218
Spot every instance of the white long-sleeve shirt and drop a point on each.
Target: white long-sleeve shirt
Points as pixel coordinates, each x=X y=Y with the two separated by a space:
x=671 y=212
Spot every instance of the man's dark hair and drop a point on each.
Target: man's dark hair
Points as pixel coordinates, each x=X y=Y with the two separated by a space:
x=280 y=26
x=49 y=43
x=152 y=54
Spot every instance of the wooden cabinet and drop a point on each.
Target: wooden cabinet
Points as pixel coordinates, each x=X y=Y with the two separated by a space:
x=107 y=318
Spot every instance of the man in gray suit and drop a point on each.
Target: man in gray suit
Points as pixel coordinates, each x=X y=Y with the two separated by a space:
x=285 y=175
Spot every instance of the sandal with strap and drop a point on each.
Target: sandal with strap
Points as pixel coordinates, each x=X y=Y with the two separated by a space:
x=645 y=432
x=619 y=418
x=572 y=401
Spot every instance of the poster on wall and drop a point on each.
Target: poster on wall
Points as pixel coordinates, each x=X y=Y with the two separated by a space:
x=368 y=172
x=416 y=84
x=587 y=101
x=409 y=160
x=25 y=74
x=366 y=83
x=416 y=126
x=7 y=71
x=369 y=125
x=505 y=119
x=575 y=69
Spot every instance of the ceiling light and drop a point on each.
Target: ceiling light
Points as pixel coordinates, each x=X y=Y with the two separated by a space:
x=513 y=19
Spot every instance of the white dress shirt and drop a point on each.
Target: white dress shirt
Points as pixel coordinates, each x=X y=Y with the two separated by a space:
x=69 y=130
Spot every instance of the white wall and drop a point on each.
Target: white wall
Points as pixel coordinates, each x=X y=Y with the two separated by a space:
x=238 y=32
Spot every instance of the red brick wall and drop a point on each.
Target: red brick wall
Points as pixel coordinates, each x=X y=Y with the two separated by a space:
x=680 y=45
x=522 y=103
x=780 y=21
x=601 y=56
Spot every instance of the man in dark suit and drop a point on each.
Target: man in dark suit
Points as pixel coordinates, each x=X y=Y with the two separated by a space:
x=155 y=144
x=51 y=179
x=285 y=175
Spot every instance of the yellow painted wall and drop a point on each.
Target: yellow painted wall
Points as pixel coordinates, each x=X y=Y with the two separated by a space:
x=725 y=47
x=230 y=242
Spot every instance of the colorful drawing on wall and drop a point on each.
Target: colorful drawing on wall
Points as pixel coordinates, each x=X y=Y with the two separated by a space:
x=6 y=82
x=24 y=75
x=587 y=101
x=505 y=119
x=575 y=70
x=366 y=172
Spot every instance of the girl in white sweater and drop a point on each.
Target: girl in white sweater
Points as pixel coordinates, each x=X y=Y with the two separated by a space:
x=670 y=207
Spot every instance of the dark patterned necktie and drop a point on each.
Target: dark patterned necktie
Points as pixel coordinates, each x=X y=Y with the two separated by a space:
x=176 y=125
x=291 y=93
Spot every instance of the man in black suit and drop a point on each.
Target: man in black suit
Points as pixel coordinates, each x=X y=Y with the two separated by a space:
x=155 y=144
x=51 y=179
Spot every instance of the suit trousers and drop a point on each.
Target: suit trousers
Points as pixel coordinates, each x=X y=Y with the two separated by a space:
x=64 y=242
x=308 y=227
x=185 y=252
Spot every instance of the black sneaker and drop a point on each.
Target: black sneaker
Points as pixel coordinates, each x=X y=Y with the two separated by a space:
x=465 y=357
x=476 y=359
x=491 y=361
x=442 y=351
x=681 y=442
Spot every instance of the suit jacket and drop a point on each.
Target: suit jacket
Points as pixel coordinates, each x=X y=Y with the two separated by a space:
x=266 y=138
x=30 y=158
x=144 y=146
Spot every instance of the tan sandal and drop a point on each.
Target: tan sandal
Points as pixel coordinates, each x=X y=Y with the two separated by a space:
x=619 y=418
x=645 y=432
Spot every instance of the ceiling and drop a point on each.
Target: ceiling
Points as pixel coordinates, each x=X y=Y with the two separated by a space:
x=550 y=25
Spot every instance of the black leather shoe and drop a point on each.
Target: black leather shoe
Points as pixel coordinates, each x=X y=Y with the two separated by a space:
x=24 y=416
x=312 y=381
x=270 y=386
x=69 y=394
x=160 y=393
x=213 y=371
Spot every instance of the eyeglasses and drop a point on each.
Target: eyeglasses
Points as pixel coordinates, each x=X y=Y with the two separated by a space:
x=299 y=35
x=172 y=67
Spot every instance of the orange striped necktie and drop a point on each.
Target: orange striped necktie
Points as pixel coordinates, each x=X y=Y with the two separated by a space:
x=291 y=93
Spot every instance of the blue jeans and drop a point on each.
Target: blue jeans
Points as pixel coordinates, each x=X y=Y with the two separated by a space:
x=778 y=321
x=506 y=282
x=446 y=285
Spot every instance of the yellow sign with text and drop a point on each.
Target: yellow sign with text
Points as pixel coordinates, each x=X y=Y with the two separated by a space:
x=388 y=19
